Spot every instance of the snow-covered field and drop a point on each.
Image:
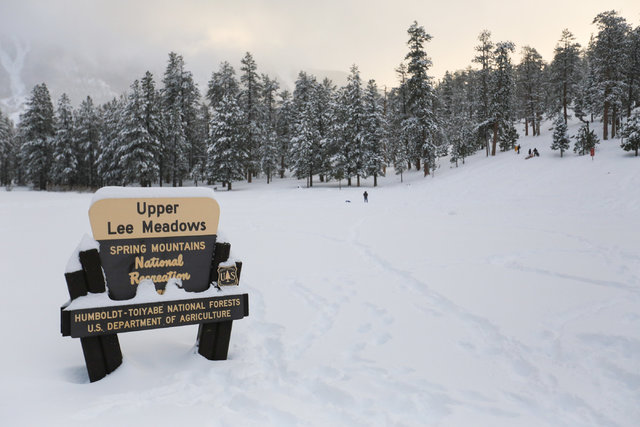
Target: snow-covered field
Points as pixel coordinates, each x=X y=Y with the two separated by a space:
x=505 y=292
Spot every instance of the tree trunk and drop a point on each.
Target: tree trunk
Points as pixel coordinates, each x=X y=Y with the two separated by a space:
x=418 y=164
x=375 y=180
x=349 y=182
x=526 y=126
x=229 y=186
x=310 y=179
x=358 y=180
x=564 y=103
x=605 y=121
x=495 y=138
x=426 y=169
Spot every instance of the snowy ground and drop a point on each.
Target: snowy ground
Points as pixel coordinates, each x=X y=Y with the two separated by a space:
x=502 y=293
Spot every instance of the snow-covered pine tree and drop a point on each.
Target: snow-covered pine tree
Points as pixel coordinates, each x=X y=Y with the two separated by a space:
x=585 y=140
x=88 y=137
x=502 y=89
x=323 y=103
x=151 y=101
x=373 y=132
x=223 y=82
x=353 y=130
x=110 y=167
x=607 y=57
x=420 y=125
x=36 y=131
x=179 y=104
x=305 y=138
x=225 y=154
x=65 y=154
x=530 y=89
x=7 y=150
x=565 y=72
x=251 y=105
x=284 y=129
x=268 y=152
x=461 y=138
x=560 y=137
x=633 y=70
x=199 y=170
x=631 y=132
x=483 y=88
x=138 y=149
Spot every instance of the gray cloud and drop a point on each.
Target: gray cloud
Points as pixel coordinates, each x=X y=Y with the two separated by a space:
x=99 y=47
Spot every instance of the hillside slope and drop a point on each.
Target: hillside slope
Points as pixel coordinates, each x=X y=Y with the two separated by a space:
x=503 y=292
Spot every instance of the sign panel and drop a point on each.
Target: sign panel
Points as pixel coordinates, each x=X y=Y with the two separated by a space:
x=161 y=239
x=136 y=317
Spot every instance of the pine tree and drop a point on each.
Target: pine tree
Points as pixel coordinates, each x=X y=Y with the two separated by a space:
x=110 y=167
x=564 y=71
x=420 y=125
x=530 y=89
x=354 y=127
x=502 y=97
x=179 y=104
x=269 y=150
x=225 y=155
x=633 y=70
x=36 y=131
x=7 y=150
x=323 y=104
x=138 y=149
x=250 y=103
x=65 y=153
x=607 y=57
x=483 y=104
x=199 y=170
x=153 y=119
x=284 y=129
x=373 y=132
x=88 y=137
x=305 y=146
x=223 y=82
x=585 y=140
x=560 y=138
x=631 y=132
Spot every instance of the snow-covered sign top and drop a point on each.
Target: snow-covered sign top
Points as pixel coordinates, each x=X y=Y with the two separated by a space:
x=126 y=213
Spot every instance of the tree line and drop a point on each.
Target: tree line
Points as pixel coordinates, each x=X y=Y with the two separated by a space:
x=244 y=125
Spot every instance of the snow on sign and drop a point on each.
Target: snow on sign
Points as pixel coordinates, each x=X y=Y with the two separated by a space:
x=158 y=251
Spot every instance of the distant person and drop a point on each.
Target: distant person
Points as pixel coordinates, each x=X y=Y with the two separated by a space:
x=366 y=197
x=530 y=155
x=535 y=152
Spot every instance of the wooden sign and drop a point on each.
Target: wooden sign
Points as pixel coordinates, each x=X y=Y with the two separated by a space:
x=136 y=317
x=164 y=236
x=163 y=239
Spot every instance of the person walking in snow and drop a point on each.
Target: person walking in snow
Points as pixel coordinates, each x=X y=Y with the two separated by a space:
x=535 y=152
x=366 y=197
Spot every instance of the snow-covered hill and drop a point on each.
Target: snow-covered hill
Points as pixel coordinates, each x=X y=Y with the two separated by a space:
x=505 y=292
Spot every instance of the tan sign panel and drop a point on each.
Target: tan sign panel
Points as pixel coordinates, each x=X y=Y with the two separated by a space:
x=135 y=218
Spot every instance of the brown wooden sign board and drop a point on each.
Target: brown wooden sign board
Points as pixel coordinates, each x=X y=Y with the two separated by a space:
x=136 y=317
x=161 y=239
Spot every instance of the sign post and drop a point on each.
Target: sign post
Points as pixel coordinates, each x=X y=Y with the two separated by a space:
x=158 y=250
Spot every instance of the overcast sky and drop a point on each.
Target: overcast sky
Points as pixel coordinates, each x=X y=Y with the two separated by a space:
x=115 y=41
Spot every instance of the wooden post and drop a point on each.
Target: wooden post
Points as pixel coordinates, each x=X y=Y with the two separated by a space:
x=213 y=338
x=102 y=354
